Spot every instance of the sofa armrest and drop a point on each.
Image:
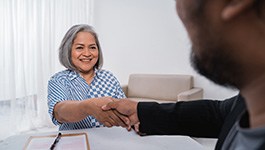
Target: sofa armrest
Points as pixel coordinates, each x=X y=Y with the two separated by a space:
x=195 y=93
x=125 y=89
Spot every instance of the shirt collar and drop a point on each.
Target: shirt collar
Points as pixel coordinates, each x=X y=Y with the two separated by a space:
x=73 y=74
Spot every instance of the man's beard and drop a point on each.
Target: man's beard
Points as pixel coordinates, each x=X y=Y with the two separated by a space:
x=217 y=65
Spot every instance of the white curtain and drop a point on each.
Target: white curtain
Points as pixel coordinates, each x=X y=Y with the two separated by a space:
x=30 y=32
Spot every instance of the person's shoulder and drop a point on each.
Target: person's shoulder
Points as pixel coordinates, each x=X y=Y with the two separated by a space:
x=104 y=72
x=61 y=75
x=106 y=75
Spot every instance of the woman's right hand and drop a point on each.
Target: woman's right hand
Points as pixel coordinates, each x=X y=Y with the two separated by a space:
x=108 y=117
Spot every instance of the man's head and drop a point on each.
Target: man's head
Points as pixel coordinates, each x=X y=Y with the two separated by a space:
x=225 y=37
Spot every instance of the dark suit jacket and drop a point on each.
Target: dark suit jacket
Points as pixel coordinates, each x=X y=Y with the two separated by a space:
x=202 y=118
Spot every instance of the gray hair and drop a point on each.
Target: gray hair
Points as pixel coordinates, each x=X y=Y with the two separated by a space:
x=67 y=42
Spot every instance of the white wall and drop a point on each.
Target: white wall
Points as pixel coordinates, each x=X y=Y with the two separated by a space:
x=146 y=36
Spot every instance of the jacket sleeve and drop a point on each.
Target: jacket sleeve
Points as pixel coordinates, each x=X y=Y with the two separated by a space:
x=201 y=118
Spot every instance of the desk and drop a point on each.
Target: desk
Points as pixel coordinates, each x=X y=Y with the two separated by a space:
x=115 y=138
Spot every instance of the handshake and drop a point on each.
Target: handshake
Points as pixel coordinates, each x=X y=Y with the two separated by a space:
x=126 y=113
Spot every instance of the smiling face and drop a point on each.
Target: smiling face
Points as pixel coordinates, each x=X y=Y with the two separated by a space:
x=84 y=53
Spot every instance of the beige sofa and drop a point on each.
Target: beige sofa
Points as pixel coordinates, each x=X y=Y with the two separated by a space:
x=162 y=88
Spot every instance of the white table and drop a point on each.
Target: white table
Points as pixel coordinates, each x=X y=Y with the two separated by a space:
x=115 y=138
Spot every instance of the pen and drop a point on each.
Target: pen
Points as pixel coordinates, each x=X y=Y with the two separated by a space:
x=56 y=141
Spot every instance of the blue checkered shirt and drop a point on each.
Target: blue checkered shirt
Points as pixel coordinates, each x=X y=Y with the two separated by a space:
x=69 y=85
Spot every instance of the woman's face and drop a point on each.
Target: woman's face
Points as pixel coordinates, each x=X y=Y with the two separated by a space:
x=84 y=52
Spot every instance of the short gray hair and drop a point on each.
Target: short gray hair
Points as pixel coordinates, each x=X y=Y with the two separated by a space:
x=67 y=42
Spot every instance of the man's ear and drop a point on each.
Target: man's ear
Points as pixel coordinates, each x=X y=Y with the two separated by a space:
x=235 y=7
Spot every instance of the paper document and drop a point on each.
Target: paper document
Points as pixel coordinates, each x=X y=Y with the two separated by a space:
x=77 y=141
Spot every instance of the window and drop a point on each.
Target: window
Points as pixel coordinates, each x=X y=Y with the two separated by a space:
x=31 y=32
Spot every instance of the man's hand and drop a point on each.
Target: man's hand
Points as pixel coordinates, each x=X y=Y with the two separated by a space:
x=125 y=107
x=109 y=117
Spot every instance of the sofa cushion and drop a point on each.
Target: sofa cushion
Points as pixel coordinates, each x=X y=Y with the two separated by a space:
x=159 y=87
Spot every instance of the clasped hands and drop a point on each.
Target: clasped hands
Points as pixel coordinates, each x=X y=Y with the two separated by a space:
x=125 y=111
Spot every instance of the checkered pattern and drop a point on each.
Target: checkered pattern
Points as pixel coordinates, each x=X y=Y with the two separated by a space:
x=69 y=85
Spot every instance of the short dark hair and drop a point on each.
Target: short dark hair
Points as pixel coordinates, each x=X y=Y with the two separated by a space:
x=67 y=42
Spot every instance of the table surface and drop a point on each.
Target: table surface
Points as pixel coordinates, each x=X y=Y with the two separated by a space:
x=114 y=138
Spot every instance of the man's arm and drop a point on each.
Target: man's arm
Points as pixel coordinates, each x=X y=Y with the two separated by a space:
x=203 y=118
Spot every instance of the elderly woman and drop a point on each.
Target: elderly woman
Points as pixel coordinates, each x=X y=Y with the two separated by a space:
x=75 y=95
